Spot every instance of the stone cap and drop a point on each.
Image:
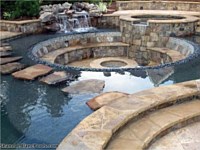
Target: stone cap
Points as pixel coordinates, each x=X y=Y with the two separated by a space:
x=20 y=22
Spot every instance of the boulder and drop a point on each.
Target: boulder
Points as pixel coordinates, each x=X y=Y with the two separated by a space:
x=47 y=17
x=66 y=5
x=85 y=86
x=52 y=27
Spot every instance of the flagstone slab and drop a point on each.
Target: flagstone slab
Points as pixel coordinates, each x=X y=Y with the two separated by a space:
x=85 y=86
x=5 y=54
x=4 y=44
x=32 y=72
x=11 y=67
x=5 y=48
x=104 y=99
x=57 y=77
x=9 y=59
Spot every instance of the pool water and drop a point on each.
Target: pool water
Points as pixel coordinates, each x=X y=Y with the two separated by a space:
x=33 y=112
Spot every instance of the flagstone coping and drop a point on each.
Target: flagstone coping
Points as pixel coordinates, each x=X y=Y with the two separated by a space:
x=95 y=131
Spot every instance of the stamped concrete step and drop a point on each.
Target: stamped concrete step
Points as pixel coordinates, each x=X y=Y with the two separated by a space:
x=5 y=48
x=32 y=72
x=103 y=99
x=139 y=134
x=57 y=77
x=96 y=130
x=85 y=86
x=9 y=60
x=5 y=54
x=11 y=67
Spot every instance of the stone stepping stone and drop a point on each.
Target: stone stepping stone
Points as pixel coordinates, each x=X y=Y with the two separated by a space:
x=4 y=44
x=104 y=99
x=32 y=72
x=85 y=86
x=9 y=59
x=5 y=48
x=11 y=67
x=57 y=77
x=5 y=54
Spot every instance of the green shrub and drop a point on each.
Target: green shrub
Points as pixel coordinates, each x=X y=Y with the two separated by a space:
x=26 y=8
x=20 y=8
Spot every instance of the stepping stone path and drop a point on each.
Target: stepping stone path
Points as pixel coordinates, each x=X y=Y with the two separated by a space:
x=86 y=86
x=5 y=54
x=9 y=60
x=57 y=77
x=32 y=72
x=5 y=48
x=104 y=99
x=11 y=67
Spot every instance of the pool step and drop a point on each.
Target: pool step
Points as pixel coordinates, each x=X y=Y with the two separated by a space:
x=96 y=130
x=139 y=134
x=6 y=60
x=5 y=54
x=11 y=67
x=32 y=72
x=5 y=48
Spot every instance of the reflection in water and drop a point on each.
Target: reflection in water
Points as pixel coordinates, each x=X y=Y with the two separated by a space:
x=158 y=76
x=33 y=112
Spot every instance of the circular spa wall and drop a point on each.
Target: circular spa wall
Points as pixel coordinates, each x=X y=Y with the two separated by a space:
x=106 y=51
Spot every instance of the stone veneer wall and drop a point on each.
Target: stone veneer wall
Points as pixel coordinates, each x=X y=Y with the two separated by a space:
x=72 y=40
x=158 y=5
x=94 y=52
x=27 y=26
x=143 y=57
x=154 y=34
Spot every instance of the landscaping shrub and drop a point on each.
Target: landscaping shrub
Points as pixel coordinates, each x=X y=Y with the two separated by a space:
x=20 y=8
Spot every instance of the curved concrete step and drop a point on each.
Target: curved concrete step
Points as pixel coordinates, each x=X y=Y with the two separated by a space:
x=96 y=130
x=51 y=56
x=138 y=135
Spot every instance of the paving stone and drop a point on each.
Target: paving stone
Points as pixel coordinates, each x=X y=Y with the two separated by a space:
x=5 y=54
x=85 y=86
x=9 y=60
x=11 y=67
x=5 y=48
x=32 y=72
x=57 y=77
x=104 y=99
